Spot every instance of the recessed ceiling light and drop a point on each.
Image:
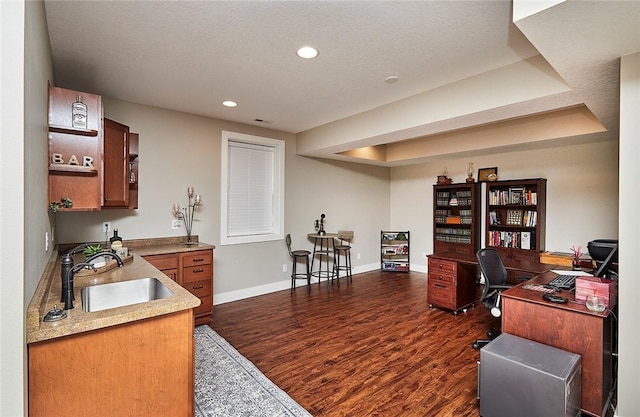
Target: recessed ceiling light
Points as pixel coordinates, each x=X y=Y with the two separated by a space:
x=229 y=103
x=391 y=79
x=307 y=52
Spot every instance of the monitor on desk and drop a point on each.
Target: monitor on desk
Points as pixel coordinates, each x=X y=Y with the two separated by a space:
x=606 y=264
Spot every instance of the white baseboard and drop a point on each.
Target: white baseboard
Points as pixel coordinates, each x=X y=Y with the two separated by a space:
x=230 y=296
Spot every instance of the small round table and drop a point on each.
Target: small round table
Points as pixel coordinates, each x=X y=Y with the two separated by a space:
x=325 y=241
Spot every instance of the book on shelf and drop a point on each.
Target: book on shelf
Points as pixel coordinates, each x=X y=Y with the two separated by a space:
x=530 y=218
x=515 y=195
x=494 y=218
x=504 y=239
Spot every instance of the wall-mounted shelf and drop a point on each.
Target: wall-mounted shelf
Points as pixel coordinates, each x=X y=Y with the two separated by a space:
x=73 y=131
x=73 y=168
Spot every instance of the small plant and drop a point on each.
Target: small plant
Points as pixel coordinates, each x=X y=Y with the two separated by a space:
x=91 y=250
x=65 y=202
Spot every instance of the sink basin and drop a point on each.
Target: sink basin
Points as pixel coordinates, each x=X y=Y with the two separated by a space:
x=119 y=294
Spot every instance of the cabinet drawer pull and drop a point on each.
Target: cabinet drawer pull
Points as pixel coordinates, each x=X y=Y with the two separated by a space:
x=198 y=287
x=196 y=271
x=439 y=285
x=198 y=260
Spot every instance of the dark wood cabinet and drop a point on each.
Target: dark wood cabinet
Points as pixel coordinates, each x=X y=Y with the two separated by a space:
x=450 y=284
x=515 y=218
x=134 y=143
x=116 y=164
x=96 y=166
x=456 y=218
x=75 y=166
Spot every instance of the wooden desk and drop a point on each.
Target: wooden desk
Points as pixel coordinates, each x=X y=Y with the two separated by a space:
x=571 y=327
x=451 y=278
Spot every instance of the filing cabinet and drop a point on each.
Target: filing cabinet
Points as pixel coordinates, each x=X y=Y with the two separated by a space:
x=450 y=285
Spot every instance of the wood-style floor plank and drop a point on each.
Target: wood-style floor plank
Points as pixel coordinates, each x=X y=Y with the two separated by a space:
x=371 y=348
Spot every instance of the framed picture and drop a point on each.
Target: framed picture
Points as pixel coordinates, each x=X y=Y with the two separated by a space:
x=488 y=174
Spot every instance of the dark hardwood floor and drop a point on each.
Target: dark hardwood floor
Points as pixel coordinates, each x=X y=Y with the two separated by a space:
x=371 y=348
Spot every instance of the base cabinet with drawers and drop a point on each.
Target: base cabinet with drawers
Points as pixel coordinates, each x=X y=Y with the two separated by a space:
x=450 y=285
x=194 y=271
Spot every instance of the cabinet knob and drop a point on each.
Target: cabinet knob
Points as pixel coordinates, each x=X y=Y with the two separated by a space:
x=197 y=287
x=198 y=260
x=195 y=271
x=440 y=286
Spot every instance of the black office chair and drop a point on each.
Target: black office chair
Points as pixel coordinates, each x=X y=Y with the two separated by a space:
x=300 y=255
x=495 y=281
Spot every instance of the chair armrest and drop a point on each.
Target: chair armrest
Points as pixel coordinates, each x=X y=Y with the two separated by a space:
x=502 y=287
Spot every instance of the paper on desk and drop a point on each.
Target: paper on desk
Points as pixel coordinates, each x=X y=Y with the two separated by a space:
x=569 y=272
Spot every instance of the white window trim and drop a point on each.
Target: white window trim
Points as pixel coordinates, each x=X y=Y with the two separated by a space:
x=278 y=200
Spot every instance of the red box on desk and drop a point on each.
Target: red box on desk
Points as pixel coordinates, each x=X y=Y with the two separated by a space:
x=602 y=287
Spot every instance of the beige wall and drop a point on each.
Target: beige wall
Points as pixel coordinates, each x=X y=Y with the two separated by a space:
x=582 y=185
x=26 y=68
x=179 y=150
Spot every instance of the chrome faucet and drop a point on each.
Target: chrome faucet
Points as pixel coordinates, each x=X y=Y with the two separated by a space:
x=69 y=272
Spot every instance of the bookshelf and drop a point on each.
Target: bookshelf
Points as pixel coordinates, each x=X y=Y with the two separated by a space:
x=456 y=218
x=394 y=251
x=515 y=218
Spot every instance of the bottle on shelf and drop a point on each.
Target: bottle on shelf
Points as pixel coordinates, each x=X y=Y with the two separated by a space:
x=79 y=114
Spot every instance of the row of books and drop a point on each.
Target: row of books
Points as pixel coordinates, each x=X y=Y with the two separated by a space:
x=465 y=217
x=527 y=218
x=519 y=240
x=459 y=198
x=451 y=235
x=513 y=195
x=454 y=239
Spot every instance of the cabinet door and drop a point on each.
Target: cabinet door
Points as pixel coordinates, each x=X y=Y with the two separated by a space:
x=116 y=164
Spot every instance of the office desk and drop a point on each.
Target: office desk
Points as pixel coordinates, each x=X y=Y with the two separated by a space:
x=571 y=327
x=452 y=277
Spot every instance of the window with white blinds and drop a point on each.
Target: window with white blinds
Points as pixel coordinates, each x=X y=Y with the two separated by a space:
x=252 y=188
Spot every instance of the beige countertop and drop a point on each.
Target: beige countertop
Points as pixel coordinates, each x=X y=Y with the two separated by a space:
x=48 y=292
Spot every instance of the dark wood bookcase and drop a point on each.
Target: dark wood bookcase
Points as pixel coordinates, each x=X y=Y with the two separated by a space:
x=515 y=218
x=456 y=218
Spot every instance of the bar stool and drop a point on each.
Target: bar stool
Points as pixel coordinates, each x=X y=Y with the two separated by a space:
x=343 y=248
x=299 y=255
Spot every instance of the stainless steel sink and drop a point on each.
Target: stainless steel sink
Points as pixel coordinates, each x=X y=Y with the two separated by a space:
x=119 y=294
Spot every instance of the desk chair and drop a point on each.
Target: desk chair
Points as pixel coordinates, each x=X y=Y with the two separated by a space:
x=343 y=248
x=495 y=277
x=300 y=255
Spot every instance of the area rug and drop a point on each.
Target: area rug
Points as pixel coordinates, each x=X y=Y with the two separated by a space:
x=229 y=385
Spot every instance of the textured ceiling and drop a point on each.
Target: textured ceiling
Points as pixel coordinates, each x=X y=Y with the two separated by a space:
x=191 y=55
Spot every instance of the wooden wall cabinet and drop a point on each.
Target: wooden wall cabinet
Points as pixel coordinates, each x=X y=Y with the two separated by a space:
x=194 y=271
x=116 y=164
x=97 y=166
x=515 y=218
x=456 y=218
x=133 y=173
x=75 y=155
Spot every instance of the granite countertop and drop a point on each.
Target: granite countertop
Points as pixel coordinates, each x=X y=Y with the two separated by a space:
x=48 y=292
